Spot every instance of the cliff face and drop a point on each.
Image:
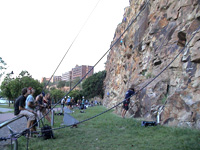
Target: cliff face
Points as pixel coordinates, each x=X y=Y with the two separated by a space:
x=149 y=45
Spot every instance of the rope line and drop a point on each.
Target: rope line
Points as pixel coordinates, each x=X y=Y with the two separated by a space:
x=136 y=91
x=26 y=130
x=194 y=33
x=96 y=63
x=72 y=43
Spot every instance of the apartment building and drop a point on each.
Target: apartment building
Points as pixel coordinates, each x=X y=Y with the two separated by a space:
x=81 y=71
x=66 y=76
x=56 y=78
x=77 y=72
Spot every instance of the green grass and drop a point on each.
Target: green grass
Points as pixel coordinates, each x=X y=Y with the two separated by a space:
x=110 y=131
x=7 y=106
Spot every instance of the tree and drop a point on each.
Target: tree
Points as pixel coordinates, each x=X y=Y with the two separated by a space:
x=5 y=88
x=11 y=88
x=75 y=81
x=76 y=94
x=57 y=95
x=93 y=86
x=2 y=67
x=61 y=84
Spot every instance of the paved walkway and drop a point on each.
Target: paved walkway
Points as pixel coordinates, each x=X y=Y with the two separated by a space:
x=3 y=110
x=18 y=125
x=6 y=116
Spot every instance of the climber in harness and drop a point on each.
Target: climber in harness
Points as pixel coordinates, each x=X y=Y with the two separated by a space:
x=126 y=101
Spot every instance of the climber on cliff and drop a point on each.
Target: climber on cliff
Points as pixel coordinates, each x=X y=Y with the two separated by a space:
x=126 y=101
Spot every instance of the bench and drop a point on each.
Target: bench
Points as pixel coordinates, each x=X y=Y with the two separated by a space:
x=10 y=121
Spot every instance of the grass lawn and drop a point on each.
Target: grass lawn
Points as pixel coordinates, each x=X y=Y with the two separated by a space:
x=111 y=132
x=7 y=106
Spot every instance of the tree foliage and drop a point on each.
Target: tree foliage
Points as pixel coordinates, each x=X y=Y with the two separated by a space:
x=11 y=88
x=75 y=81
x=2 y=67
x=76 y=94
x=57 y=95
x=61 y=84
x=93 y=86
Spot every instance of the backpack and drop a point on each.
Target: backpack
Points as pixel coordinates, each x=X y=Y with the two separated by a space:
x=149 y=123
x=47 y=132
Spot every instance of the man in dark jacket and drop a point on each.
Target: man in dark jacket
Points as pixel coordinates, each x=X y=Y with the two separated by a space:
x=126 y=101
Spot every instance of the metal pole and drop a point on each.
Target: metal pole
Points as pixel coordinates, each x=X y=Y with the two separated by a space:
x=52 y=118
x=14 y=139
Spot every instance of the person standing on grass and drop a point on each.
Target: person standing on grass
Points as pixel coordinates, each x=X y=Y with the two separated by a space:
x=20 y=108
x=39 y=102
x=42 y=102
x=126 y=102
x=83 y=103
x=69 y=102
x=46 y=101
x=63 y=104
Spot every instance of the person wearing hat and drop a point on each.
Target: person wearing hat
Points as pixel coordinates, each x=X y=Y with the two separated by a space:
x=30 y=100
x=126 y=101
x=30 y=104
x=42 y=108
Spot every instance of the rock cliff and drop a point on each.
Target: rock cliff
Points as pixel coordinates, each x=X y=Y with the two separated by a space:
x=159 y=33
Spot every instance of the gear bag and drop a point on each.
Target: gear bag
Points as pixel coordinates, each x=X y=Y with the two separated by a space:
x=47 y=132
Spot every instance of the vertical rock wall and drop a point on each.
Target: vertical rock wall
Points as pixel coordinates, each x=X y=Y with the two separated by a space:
x=149 y=45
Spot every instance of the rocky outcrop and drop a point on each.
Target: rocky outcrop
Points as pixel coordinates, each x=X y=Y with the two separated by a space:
x=160 y=32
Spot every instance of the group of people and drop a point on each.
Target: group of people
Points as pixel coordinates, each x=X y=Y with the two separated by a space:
x=27 y=105
x=68 y=101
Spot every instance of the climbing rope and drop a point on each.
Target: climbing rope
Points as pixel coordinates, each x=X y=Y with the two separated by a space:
x=99 y=59
x=72 y=44
x=21 y=133
x=194 y=33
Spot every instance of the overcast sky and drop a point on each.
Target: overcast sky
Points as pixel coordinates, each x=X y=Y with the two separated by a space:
x=35 y=35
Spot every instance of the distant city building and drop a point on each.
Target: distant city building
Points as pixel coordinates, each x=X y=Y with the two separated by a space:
x=56 y=78
x=80 y=71
x=66 y=76
x=77 y=72
x=46 y=79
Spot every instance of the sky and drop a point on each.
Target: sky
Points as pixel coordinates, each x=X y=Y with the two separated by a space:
x=35 y=35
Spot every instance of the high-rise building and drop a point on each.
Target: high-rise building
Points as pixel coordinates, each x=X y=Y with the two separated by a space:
x=66 y=76
x=56 y=78
x=81 y=71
